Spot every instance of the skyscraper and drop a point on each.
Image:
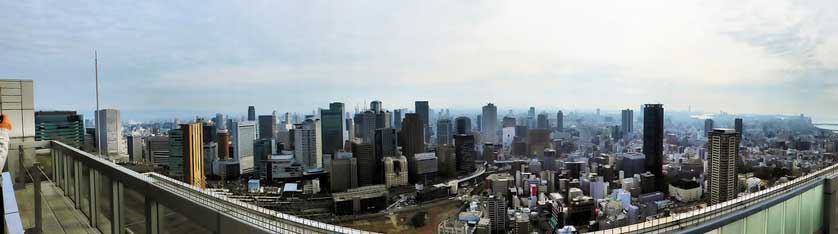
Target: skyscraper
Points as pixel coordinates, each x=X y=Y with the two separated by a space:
x=368 y=126
x=489 y=130
x=423 y=110
x=462 y=125
x=267 y=127
x=722 y=149
x=653 y=142
x=465 y=151
x=135 y=148
x=386 y=143
x=375 y=106
x=397 y=119
x=708 y=126
x=740 y=129
x=251 y=113
x=110 y=131
x=496 y=208
x=531 y=118
x=508 y=122
x=367 y=165
x=412 y=139
x=560 y=121
x=627 y=122
x=244 y=133
x=307 y=143
x=332 y=125
x=542 y=121
x=186 y=154
x=444 y=131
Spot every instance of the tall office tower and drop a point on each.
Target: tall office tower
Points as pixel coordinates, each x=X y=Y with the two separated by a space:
x=627 y=122
x=542 y=121
x=423 y=110
x=444 y=131
x=446 y=160
x=537 y=141
x=508 y=122
x=220 y=122
x=708 y=127
x=110 y=131
x=462 y=125
x=479 y=123
x=157 y=149
x=395 y=171
x=343 y=173
x=560 y=121
x=307 y=143
x=186 y=154
x=368 y=126
x=223 y=145
x=135 y=148
x=332 y=125
x=489 y=130
x=386 y=143
x=465 y=151
x=367 y=166
x=267 y=127
x=64 y=126
x=722 y=149
x=382 y=119
x=653 y=143
x=412 y=135
x=740 y=128
x=244 y=133
x=251 y=113
x=375 y=106
x=412 y=140
x=531 y=118
x=397 y=119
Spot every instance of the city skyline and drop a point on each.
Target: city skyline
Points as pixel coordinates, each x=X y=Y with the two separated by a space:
x=766 y=58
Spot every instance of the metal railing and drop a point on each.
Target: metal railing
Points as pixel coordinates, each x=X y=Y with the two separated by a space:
x=197 y=205
x=11 y=214
x=684 y=220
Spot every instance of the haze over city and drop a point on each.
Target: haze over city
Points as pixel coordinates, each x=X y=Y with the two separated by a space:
x=158 y=58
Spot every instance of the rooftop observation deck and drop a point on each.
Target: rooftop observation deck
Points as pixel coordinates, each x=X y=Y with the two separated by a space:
x=82 y=193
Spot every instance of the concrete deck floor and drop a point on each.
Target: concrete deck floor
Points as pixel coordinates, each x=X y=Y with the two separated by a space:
x=59 y=215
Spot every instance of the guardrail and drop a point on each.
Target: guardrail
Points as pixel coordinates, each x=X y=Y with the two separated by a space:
x=11 y=213
x=681 y=221
x=215 y=212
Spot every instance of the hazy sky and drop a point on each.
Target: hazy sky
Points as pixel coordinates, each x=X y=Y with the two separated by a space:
x=761 y=56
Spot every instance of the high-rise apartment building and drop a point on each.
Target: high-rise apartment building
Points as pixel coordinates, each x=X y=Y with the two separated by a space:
x=489 y=123
x=395 y=171
x=653 y=142
x=722 y=155
x=109 y=131
x=627 y=125
x=332 y=124
x=496 y=208
x=307 y=143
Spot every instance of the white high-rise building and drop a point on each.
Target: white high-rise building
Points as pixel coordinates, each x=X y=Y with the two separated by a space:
x=307 y=143
x=722 y=149
x=109 y=131
x=489 y=124
x=244 y=133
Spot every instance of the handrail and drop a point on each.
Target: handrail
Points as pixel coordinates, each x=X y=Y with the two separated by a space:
x=11 y=213
x=683 y=220
x=252 y=215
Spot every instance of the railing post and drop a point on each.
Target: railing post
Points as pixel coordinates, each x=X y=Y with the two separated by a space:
x=152 y=225
x=37 y=188
x=77 y=178
x=93 y=198
x=830 y=213
x=118 y=224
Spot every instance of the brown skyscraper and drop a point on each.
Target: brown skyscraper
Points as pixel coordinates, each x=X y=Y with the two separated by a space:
x=412 y=140
x=193 y=154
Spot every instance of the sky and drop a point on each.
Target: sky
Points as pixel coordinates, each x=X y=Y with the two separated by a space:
x=749 y=56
